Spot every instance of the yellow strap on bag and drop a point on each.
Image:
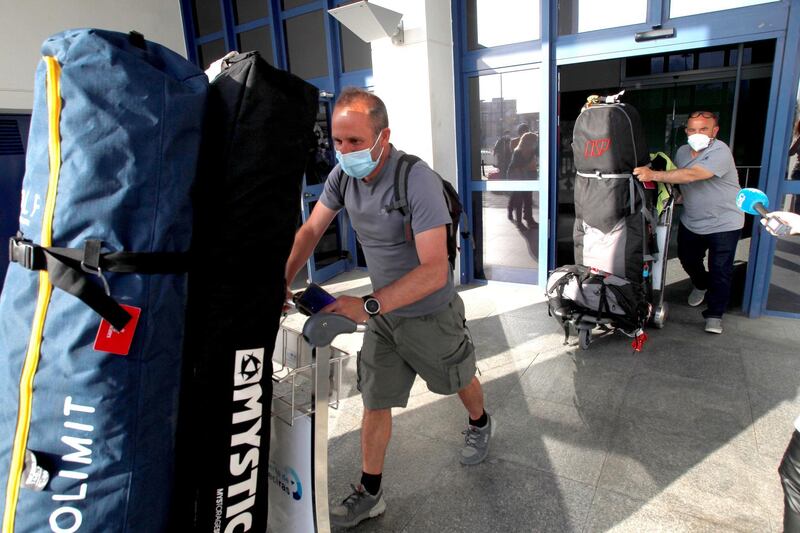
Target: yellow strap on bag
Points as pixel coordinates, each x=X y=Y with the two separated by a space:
x=43 y=300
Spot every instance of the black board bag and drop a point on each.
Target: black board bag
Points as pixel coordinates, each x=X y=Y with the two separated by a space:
x=257 y=141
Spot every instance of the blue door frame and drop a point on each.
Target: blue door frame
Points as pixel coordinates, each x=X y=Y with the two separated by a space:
x=777 y=20
x=774 y=182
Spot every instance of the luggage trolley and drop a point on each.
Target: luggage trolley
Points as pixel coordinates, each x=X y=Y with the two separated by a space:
x=307 y=377
x=663 y=231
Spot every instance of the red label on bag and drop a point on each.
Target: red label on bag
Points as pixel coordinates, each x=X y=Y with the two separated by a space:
x=119 y=342
x=649 y=184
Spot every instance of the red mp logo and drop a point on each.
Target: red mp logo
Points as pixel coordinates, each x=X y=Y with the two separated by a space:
x=596 y=148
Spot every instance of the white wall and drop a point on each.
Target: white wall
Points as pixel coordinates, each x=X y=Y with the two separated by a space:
x=415 y=80
x=25 y=24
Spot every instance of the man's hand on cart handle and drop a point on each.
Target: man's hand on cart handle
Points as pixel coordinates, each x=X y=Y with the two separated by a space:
x=288 y=302
x=350 y=306
x=644 y=173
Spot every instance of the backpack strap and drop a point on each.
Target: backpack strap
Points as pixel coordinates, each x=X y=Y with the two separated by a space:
x=343 y=180
x=400 y=202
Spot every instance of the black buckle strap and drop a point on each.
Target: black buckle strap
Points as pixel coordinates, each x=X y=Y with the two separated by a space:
x=26 y=253
x=68 y=268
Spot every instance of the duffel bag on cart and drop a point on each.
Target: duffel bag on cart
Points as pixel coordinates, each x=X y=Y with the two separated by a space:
x=576 y=290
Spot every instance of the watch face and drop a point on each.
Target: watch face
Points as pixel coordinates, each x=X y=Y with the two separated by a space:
x=372 y=305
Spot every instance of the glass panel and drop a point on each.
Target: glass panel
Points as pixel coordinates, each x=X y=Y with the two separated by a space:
x=289 y=4
x=502 y=107
x=711 y=59
x=784 y=284
x=259 y=39
x=329 y=248
x=578 y=16
x=681 y=62
x=210 y=52
x=306 y=46
x=207 y=17
x=356 y=54
x=322 y=163
x=506 y=249
x=682 y=8
x=249 y=10
x=794 y=150
x=496 y=22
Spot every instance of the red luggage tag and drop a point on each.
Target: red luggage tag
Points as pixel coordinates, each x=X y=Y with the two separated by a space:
x=118 y=342
x=638 y=342
x=649 y=184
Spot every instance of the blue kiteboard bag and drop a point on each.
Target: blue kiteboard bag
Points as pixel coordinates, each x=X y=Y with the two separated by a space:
x=93 y=306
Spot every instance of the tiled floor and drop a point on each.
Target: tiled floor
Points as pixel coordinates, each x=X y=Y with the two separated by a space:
x=685 y=436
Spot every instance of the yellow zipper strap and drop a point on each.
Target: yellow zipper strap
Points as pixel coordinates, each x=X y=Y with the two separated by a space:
x=43 y=300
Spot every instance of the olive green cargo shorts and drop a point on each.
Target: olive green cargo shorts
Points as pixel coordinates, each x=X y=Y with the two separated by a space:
x=438 y=347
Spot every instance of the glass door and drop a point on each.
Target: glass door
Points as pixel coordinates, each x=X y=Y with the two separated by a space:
x=504 y=187
x=330 y=257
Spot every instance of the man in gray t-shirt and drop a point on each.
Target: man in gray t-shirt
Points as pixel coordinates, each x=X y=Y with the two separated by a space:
x=711 y=222
x=416 y=322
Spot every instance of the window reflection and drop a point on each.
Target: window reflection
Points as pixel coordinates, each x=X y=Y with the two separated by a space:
x=503 y=107
x=356 y=54
x=578 y=16
x=248 y=10
x=259 y=39
x=682 y=8
x=507 y=248
x=496 y=22
x=305 y=45
x=207 y=17
x=794 y=149
x=320 y=165
x=784 y=283
x=210 y=52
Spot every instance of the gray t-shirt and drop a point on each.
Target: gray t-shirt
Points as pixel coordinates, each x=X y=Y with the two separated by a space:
x=709 y=206
x=382 y=234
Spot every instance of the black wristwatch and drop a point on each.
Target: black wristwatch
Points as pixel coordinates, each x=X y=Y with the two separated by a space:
x=371 y=305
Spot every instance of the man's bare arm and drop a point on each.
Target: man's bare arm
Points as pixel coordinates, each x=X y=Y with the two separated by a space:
x=677 y=176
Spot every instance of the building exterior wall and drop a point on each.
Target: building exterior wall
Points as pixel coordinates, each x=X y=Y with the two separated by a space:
x=24 y=25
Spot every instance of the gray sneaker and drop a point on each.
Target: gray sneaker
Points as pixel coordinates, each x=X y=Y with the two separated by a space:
x=476 y=443
x=714 y=325
x=357 y=507
x=696 y=297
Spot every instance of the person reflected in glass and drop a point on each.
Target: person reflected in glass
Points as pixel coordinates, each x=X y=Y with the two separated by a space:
x=795 y=151
x=523 y=166
x=502 y=154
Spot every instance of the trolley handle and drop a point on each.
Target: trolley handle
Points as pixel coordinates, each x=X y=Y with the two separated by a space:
x=321 y=328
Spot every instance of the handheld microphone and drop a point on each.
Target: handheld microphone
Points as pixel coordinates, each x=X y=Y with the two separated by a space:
x=753 y=201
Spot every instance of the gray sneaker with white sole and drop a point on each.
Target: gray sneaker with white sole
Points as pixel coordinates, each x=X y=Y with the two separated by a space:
x=476 y=443
x=357 y=507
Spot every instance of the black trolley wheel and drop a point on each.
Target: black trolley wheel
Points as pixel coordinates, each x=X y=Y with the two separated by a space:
x=584 y=338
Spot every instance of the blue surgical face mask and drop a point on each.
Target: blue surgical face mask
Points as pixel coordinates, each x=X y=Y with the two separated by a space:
x=359 y=164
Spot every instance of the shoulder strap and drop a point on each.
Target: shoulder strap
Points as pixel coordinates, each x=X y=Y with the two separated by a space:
x=343 y=181
x=400 y=202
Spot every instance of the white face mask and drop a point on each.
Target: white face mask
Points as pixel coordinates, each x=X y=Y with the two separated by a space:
x=699 y=141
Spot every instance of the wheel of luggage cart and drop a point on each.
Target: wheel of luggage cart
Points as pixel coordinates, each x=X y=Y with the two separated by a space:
x=584 y=338
x=660 y=315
